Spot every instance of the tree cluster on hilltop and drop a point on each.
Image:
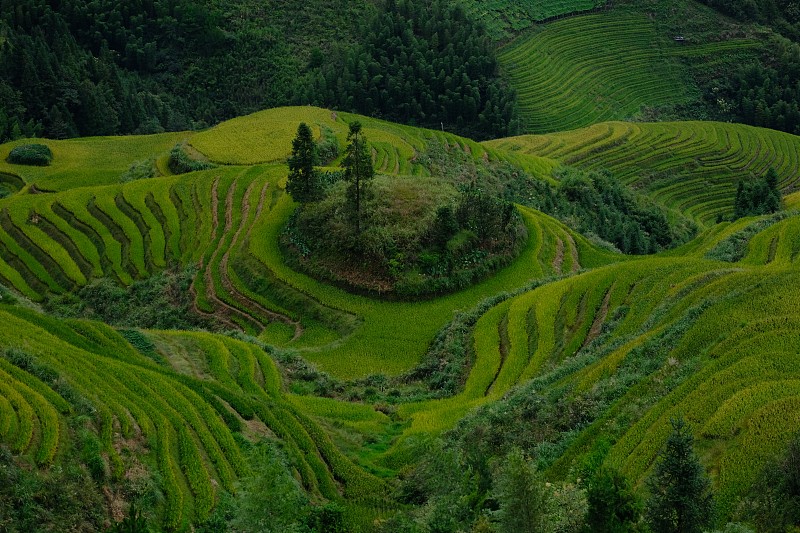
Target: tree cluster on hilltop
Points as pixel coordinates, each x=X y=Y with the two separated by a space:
x=400 y=235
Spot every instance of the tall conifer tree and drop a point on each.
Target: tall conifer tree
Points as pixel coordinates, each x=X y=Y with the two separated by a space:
x=680 y=492
x=359 y=172
x=304 y=182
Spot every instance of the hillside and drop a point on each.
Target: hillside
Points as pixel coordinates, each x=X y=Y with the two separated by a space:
x=692 y=167
x=74 y=70
x=573 y=353
x=625 y=63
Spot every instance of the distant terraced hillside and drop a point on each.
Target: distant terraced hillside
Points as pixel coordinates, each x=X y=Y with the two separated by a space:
x=586 y=69
x=693 y=167
x=505 y=18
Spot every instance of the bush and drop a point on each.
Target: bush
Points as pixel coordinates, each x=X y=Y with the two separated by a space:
x=139 y=170
x=31 y=154
x=327 y=146
x=180 y=162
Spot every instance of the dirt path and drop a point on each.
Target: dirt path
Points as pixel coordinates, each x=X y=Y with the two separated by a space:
x=573 y=251
x=558 y=260
x=599 y=319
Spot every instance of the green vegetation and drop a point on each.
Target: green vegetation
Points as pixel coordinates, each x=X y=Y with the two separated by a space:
x=680 y=491
x=139 y=170
x=783 y=16
x=303 y=183
x=565 y=80
x=760 y=197
x=180 y=162
x=30 y=154
x=427 y=333
x=78 y=69
x=690 y=167
x=653 y=60
x=596 y=204
x=423 y=64
x=566 y=356
x=358 y=172
x=505 y=18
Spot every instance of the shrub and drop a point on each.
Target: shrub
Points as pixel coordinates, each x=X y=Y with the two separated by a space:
x=139 y=170
x=327 y=146
x=180 y=162
x=31 y=154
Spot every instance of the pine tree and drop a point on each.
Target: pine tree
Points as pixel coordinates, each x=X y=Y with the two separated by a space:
x=613 y=505
x=303 y=183
x=772 y=201
x=680 y=492
x=359 y=172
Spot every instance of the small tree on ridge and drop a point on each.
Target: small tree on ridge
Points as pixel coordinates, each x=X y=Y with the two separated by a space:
x=304 y=183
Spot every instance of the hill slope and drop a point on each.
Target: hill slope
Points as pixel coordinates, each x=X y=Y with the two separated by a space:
x=622 y=63
x=571 y=349
x=693 y=167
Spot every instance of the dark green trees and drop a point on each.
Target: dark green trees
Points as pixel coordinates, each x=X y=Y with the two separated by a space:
x=304 y=182
x=422 y=63
x=522 y=496
x=359 y=172
x=757 y=197
x=31 y=154
x=680 y=492
x=613 y=505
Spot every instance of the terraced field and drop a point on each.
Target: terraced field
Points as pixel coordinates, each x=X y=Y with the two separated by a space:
x=504 y=18
x=693 y=167
x=89 y=161
x=177 y=415
x=265 y=137
x=591 y=68
x=709 y=330
x=52 y=243
x=662 y=337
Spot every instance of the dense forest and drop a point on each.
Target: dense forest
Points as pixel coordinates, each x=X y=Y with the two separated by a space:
x=423 y=64
x=78 y=68
x=95 y=68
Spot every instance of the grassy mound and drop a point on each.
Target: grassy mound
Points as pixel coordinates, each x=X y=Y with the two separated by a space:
x=420 y=236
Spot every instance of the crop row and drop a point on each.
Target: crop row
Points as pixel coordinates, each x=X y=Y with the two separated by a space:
x=56 y=243
x=590 y=68
x=737 y=387
x=176 y=422
x=193 y=448
x=691 y=166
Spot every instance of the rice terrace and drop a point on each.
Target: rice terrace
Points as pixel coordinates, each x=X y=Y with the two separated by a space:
x=399 y=266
